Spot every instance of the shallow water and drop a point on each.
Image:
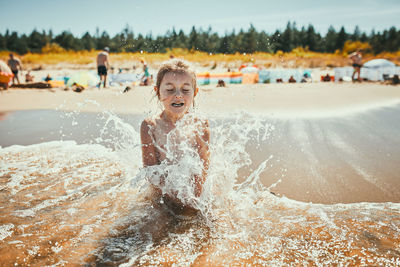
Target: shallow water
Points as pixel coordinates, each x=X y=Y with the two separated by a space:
x=86 y=201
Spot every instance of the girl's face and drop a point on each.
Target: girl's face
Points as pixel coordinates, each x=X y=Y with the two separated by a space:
x=177 y=93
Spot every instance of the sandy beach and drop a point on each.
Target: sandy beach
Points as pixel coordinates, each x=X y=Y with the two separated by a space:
x=313 y=99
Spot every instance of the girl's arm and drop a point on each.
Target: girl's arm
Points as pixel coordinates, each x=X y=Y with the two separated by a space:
x=202 y=146
x=148 y=149
x=149 y=156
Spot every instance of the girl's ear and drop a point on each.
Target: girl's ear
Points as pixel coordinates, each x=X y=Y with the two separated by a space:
x=196 y=90
x=157 y=92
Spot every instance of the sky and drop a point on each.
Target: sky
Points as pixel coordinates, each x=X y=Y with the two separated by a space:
x=158 y=16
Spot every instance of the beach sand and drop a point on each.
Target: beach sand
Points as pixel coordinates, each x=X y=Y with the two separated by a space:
x=313 y=99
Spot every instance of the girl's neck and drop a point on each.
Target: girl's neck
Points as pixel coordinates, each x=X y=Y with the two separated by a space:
x=169 y=118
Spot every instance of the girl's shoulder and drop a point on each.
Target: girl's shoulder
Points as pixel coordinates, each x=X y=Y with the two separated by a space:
x=148 y=125
x=149 y=121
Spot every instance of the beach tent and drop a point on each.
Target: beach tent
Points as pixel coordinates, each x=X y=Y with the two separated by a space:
x=379 y=63
x=215 y=77
x=124 y=78
x=376 y=69
x=203 y=78
x=271 y=75
x=236 y=77
x=83 y=78
x=250 y=74
x=250 y=69
x=264 y=76
x=343 y=73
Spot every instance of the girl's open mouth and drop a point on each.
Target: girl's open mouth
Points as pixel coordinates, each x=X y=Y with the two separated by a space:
x=177 y=104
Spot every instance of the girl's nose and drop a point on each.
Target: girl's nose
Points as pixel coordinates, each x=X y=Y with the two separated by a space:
x=178 y=94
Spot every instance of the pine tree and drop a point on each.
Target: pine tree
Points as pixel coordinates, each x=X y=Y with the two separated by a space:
x=341 y=39
x=67 y=41
x=88 y=42
x=330 y=40
x=287 y=39
x=36 y=41
x=356 y=35
x=3 y=43
x=193 y=39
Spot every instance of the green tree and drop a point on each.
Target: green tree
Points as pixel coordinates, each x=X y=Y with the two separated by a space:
x=276 y=41
x=392 y=43
x=36 y=41
x=312 y=38
x=67 y=41
x=88 y=42
x=330 y=40
x=356 y=35
x=193 y=39
x=341 y=39
x=224 y=45
x=287 y=39
x=3 y=43
x=263 y=42
x=103 y=41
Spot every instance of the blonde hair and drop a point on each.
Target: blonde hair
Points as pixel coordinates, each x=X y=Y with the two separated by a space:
x=178 y=66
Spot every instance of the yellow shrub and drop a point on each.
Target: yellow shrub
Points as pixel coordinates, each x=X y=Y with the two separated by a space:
x=350 y=46
x=52 y=48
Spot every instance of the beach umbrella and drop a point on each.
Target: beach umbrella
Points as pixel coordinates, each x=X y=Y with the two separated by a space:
x=379 y=63
x=83 y=78
x=4 y=67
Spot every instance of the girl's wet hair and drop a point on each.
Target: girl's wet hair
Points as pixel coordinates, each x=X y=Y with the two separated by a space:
x=178 y=66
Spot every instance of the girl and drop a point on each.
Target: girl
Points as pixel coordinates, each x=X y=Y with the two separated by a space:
x=175 y=139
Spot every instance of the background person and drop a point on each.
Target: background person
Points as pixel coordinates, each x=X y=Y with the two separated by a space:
x=356 y=59
x=29 y=77
x=102 y=65
x=145 y=80
x=15 y=66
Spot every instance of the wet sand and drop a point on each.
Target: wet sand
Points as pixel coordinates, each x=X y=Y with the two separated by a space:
x=341 y=159
x=64 y=203
x=331 y=142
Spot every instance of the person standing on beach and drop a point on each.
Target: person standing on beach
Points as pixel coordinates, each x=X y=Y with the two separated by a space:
x=146 y=75
x=15 y=66
x=102 y=65
x=356 y=59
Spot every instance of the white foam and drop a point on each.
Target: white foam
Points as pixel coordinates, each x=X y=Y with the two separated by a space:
x=6 y=230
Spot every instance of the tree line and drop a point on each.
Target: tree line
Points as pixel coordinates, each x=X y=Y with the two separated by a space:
x=242 y=41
